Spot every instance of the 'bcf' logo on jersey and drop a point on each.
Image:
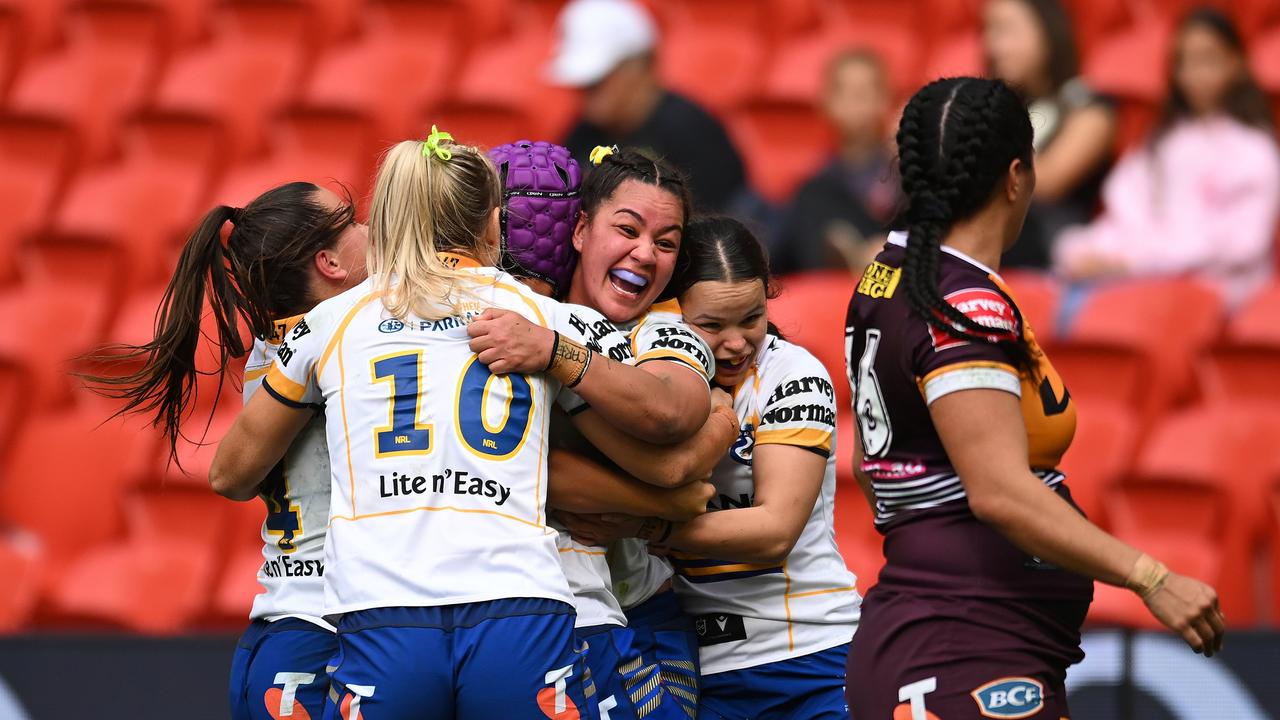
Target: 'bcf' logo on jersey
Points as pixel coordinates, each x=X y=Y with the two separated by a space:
x=1010 y=698
x=744 y=445
x=391 y=325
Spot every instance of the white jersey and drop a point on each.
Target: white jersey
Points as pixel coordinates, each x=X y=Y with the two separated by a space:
x=297 y=497
x=637 y=575
x=439 y=475
x=660 y=336
x=752 y=614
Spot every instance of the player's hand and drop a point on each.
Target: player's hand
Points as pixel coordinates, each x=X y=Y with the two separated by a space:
x=721 y=400
x=689 y=501
x=508 y=343
x=1190 y=608
x=599 y=529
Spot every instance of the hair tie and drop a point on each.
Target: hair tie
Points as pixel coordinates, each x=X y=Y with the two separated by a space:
x=931 y=209
x=432 y=146
x=601 y=152
x=237 y=214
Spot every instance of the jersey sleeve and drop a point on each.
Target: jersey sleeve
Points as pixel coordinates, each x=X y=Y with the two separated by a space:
x=674 y=341
x=292 y=378
x=588 y=327
x=800 y=408
x=944 y=364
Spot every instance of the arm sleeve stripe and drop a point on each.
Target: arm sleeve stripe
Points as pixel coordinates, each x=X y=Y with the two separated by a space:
x=291 y=403
x=284 y=387
x=808 y=438
x=970 y=378
x=966 y=365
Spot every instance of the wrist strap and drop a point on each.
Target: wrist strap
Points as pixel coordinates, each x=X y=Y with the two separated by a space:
x=555 y=345
x=569 y=361
x=1147 y=576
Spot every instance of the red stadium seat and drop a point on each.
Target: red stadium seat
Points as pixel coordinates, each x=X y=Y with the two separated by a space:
x=105 y=71
x=1131 y=64
x=509 y=76
x=798 y=70
x=860 y=543
x=201 y=433
x=150 y=200
x=719 y=66
x=85 y=485
x=1037 y=295
x=1265 y=60
x=238 y=581
x=1100 y=454
x=1273 y=503
x=156 y=580
x=1094 y=21
x=480 y=123
x=1168 y=321
x=246 y=73
x=1102 y=373
x=955 y=55
x=40 y=21
x=328 y=148
x=20 y=560
x=810 y=312
x=389 y=73
x=1244 y=367
x=787 y=142
x=36 y=155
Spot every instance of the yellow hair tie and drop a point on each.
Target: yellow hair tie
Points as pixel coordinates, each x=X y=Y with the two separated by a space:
x=601 y=152
x=432 y=144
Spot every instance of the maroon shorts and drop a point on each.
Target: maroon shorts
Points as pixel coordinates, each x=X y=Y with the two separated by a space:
x=961 y=658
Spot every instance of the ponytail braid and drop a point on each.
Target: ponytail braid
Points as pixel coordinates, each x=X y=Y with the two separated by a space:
x=952 y=149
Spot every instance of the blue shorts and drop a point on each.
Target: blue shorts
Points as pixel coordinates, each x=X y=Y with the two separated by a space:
x=513 y=658
x=627 y=685
x=665 y=635
x=278 y=670
x=809 y=686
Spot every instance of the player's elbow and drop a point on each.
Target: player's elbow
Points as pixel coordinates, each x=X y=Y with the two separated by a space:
x=993 y=508
x=776 y=550
x=224 y=482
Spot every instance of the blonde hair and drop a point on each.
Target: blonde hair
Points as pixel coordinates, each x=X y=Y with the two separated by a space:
x=424 y=205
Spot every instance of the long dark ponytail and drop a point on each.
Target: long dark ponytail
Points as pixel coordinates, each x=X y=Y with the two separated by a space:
x=956 y=140
x=258 y=276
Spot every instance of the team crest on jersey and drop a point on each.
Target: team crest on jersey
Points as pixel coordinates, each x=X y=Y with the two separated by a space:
x=1010 y=698
x=985 y=307
x=744 y=446
x=391 y=325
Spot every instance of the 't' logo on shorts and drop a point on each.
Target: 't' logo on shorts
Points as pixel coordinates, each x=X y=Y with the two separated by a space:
x=1010 y=698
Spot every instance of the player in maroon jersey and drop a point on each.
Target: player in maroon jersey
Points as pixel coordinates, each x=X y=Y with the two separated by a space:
x=962 y=422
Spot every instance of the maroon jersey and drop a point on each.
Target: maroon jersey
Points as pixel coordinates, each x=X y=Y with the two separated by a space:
x=898 y=365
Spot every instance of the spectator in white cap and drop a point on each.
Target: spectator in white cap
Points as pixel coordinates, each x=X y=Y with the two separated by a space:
x=607 y=51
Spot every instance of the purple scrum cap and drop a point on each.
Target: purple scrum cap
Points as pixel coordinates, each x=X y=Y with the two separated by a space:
x=539 y=210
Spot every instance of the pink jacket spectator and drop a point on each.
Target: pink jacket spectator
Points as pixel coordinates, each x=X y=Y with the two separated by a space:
x=1205 y=202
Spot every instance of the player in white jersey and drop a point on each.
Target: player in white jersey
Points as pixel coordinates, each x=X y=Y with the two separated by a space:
x=775 y=606
x=288 y=249
x=539 y=246
x=441 y=572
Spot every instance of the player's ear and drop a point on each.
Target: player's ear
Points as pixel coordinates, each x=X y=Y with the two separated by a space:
x=1020 y=180
x=579 y=232
x=329 y=265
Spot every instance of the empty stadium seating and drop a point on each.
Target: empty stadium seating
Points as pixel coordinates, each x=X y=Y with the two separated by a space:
x=1242 y=366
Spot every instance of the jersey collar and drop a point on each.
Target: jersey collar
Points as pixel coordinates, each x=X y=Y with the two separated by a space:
x=900 y=239
x=456 y=261
x=282 y=327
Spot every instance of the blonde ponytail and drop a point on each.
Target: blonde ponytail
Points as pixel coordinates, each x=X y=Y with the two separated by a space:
x=427 y=202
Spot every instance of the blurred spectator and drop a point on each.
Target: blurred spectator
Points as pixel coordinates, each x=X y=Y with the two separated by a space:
x=837 y=218
x=607 y=50
x=1201 y=196
x=1029 y=45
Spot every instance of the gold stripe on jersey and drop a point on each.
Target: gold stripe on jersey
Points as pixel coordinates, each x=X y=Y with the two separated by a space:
x=665 y=355
x=281 y=327
x=283 y=385
x=342 y=329
x=254 y=374
x=580 y=551
x=668 y=306
x=803 y=437
x=435 y=508
x=828 y=591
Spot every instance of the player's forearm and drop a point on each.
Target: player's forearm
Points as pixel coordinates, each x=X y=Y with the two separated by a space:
x=749 y=535
x=1041 y=523
x=235 y=473
x=579 y=485
x=664 y=465
x=658 y=407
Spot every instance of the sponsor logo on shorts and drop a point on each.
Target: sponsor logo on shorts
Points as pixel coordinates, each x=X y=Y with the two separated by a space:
x=1010 y=698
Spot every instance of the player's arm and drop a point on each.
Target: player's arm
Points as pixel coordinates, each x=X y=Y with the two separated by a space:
x=256 y=441
x=666 y=466
x=579 y=485
x=660 y=402
x=864 y=480
x=991 y=459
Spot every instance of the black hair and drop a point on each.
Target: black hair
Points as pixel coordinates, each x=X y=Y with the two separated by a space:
x=1244 y=101
x=1064 y=63
x=721 y=249
x=956 y=140
x=258 y=276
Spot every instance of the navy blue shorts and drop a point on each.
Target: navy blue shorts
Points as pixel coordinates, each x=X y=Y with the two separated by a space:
x=512 y=658
x=809 y=687
x=665 y=635
x=279 y=670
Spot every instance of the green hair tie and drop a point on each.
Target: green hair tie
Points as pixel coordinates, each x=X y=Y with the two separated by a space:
x=432 y=144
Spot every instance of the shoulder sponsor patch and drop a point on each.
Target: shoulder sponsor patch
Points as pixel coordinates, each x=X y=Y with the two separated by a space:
x=879 y=280
x=983 y=306
x=1010 y=698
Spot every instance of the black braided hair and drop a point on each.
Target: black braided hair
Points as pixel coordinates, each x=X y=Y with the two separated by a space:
x=956 y=139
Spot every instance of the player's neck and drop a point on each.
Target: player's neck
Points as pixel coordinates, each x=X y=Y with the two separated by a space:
x=980 y=237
